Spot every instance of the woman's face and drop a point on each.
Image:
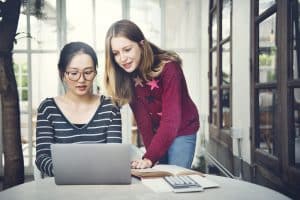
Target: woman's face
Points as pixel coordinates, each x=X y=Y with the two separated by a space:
x=127 y=53
x=80 y=74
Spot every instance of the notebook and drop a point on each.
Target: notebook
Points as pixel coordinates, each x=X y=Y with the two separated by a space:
x=90 y=164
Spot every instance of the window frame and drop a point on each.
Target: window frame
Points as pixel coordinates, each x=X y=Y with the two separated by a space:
x=217 y=132
x=257 y=154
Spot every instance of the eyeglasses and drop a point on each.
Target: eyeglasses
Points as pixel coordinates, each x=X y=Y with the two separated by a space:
x=87 y=75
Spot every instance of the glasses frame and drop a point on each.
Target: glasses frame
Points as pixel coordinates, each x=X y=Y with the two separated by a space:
x=81 y=74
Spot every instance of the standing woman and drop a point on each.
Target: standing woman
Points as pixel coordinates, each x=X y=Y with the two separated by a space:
x=78 y=116
x=151 y=80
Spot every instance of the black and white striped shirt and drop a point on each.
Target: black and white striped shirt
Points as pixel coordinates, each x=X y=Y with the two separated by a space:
x=53 y=127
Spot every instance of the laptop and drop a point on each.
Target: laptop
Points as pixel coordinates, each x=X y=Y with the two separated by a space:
x=90 y=164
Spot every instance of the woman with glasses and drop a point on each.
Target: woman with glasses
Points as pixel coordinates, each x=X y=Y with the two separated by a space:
x=151 y=80
x=78 y=116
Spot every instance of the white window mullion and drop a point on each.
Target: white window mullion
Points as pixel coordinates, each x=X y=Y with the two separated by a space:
x=126 y=9
x=29 y=168
x=61 y=30
x=163 y=23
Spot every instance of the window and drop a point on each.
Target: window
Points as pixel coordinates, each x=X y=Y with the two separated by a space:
x=181 y=34
x=147 y=15
x=265 y=83
x=35 y=61
x=220 y=68
x=44 y=28
x=275 y=90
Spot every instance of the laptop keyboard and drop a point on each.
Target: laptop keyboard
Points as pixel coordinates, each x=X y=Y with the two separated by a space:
x=183 y=183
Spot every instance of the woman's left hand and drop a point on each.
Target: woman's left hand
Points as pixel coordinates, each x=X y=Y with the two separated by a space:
x=141 y=164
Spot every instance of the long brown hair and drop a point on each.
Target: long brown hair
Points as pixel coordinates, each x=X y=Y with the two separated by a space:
x=116 y=80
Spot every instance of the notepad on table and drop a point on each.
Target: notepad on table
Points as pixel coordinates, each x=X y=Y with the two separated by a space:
x=162 y=170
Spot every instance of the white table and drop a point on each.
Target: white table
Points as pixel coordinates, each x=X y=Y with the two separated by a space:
x=45 y=189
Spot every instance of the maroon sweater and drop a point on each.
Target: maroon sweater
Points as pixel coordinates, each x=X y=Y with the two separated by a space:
x=163 y=110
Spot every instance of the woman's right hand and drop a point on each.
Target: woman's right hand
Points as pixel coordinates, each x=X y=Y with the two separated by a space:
x=141 y=164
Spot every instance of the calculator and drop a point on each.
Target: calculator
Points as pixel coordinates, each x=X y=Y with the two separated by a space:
x=183 y=183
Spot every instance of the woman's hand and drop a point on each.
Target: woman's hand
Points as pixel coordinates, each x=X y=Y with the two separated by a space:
x=141 y=164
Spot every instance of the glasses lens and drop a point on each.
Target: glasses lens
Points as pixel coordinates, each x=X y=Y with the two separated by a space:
x=89 y=75
x=73 y=76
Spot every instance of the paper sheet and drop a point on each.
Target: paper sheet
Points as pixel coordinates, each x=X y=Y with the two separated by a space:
x=157 y=184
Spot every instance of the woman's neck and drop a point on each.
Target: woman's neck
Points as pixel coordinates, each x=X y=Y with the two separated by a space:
x=74 y=99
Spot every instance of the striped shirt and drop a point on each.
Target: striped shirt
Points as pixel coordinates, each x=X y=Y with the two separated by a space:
x=53 y=127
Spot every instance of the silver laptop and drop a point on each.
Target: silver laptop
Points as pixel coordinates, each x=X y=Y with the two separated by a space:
x=88 y=164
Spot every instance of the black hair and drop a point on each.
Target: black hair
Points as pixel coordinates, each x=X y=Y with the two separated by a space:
x=69 y=51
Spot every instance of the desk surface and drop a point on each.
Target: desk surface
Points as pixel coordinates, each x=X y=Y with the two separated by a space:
x=46 y=189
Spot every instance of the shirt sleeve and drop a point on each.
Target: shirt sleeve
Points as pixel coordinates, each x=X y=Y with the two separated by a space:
x=114 y=131
x=44 y=138
x=171 y=112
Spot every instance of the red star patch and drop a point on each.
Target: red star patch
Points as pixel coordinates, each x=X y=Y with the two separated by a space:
x=153 y=84
x=138 y=81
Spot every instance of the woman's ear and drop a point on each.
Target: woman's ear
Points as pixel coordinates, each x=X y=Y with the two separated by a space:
x=142 y=42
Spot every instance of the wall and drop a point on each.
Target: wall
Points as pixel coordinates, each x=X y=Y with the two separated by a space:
x=241 y=74
x=204 y=50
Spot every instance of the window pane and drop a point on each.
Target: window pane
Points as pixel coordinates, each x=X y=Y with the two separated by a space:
x=298 y=7
x=180 y=29
x=104 y=18
x=296 y=53
x=214 y=29
x=146 y=14
x=265 y=4
x=214 y=107
x=226 y=18
x=214 y=65
x=188 y=64
x=24 y=83
x=296 y=64
x=25 y=138
x=100 y=75
x=226 y=71
x=21 y=73
x=44 y=28
x=266 y=120
x=79 y=24
x=20 y=69
x=267 y=50
x=296 y=134
x=226 y=117
x=44 y=79
x=22 y=33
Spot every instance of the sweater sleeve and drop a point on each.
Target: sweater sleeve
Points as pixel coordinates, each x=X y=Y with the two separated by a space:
x=114 y=134
x=171 y=112
x=44 y=138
